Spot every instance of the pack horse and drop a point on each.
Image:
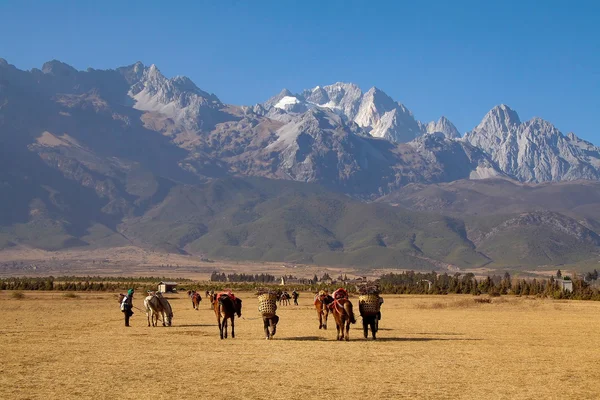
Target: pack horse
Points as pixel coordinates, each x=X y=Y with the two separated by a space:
x=226 y=307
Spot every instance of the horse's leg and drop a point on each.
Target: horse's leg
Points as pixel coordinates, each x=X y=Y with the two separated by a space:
x=320 y=314
x=337 y=325
x=326 y=315
x=225 y=327
x=366 y=327
x=347 y=329
x=233 y=327
x=220 y=322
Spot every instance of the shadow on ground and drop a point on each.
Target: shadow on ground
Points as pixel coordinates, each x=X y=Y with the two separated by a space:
x=421 y=339
x=304 y=338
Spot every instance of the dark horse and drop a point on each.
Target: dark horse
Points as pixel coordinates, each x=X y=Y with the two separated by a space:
x=343 y=314
x=270 y=322
x=322 y=299
x=284 y=299
x=226 y=307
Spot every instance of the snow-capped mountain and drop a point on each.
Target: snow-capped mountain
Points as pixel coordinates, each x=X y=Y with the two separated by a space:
x=367 y=144
x=374 y=111
x=534 y=151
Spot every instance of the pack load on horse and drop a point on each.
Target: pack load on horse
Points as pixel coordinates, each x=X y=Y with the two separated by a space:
x=226 y=306
x=322 y=300
x=369 y=304
x=267 y=307
x=341 y=307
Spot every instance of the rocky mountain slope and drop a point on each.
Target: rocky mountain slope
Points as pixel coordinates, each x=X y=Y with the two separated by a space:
x=534 y=151
x=108 y=157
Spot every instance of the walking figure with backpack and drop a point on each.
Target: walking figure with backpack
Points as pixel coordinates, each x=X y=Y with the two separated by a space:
x=127 y=306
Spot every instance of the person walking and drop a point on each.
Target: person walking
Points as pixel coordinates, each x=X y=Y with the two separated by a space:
x=127 y=306
x=295 y=297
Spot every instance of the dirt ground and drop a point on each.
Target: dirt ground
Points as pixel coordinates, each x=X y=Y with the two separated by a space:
x=430 y=347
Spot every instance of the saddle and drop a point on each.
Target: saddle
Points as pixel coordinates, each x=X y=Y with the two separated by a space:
x=228 y=293
x=340 y=293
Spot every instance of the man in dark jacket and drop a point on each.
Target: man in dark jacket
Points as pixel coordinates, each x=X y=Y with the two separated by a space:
x=127 y=306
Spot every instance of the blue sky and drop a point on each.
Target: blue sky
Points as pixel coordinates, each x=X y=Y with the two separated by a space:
x=452 y=58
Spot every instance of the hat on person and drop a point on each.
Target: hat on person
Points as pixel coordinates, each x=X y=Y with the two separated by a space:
x=129 y=292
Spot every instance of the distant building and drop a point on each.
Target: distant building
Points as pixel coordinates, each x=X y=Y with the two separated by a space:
x=167 y=287
x=565 y=284
x=294 y=281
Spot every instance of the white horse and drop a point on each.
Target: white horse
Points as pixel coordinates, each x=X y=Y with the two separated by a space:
x=156 y=304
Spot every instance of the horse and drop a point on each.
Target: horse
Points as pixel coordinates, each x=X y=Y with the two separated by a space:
x=156 y=304
x=211 y=297
x=322 y=299
x=196 y=298
x=284 y=299
x=343 y=314
x=226 y=307
x=270 y=322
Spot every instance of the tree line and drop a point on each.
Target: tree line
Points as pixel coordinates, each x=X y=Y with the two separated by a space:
x=433 y=283
x=584 y=287
x=262 y=278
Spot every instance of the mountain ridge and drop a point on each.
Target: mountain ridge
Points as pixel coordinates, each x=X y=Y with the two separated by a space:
x=106 y=157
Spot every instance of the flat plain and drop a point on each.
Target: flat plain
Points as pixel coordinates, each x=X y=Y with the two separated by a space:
x=435 y=347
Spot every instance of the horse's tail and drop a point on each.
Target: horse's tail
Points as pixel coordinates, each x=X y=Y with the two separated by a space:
x=348 y=309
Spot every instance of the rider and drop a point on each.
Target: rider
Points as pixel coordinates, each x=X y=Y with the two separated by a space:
x=127 y=306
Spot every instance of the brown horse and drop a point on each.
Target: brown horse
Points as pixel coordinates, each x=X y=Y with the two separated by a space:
x=343 y=314
x=211 y=297
x=226 y=307
x=322 y=299
x=196 y=298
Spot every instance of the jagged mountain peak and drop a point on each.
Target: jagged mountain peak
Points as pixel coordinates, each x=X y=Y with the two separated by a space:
x=58 y=68
x=534 y=150
x=501 y=116
x=443 y=126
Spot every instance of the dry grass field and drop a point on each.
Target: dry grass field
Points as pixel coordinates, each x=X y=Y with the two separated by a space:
x=432 y=347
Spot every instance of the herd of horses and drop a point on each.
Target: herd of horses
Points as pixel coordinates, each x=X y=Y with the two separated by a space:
x=227 y=306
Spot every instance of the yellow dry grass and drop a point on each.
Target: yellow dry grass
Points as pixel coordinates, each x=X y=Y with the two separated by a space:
x=444 y=347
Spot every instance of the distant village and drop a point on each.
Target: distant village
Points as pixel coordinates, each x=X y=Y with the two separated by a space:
x=288 y=279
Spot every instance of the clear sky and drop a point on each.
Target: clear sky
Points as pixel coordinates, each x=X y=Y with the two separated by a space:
x=453 y=58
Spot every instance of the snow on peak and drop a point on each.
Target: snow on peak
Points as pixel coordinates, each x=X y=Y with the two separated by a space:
x=287 y=101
